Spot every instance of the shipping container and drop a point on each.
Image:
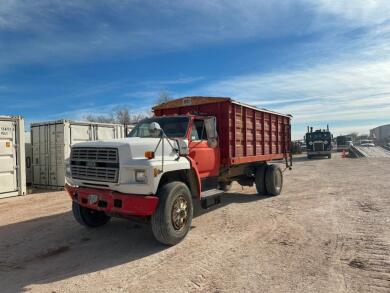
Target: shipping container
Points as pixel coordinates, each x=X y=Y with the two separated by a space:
x=246 y=133
x=51 y=143
x=12 y=157
x=28 y=149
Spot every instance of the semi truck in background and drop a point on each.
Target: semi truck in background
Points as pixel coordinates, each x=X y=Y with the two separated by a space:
x=343 y=142
x=318 y=143
x=192 y=149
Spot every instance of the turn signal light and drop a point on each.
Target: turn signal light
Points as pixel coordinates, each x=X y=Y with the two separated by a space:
x=149 y=155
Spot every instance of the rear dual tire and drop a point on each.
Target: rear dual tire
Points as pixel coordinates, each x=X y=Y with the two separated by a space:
x=269 y=180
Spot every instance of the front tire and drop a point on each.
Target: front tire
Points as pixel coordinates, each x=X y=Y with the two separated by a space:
x=88 y=217
x=172 y=219
x=273 y=180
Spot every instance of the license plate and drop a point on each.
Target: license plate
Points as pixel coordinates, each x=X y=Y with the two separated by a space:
x=92 y=198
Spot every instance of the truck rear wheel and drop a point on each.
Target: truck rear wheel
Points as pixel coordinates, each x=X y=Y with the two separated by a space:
x=260 y=180
x=273 y=180
x=172 y=219
x=88 y=217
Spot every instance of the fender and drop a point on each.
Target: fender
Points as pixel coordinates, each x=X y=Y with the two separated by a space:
x=195 y=168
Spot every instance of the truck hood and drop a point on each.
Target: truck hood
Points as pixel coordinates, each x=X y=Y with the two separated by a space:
x=134 y=147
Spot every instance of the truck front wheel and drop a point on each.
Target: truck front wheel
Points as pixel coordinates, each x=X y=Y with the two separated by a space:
x=88 y=217
x=172 y=219
x=273 y=180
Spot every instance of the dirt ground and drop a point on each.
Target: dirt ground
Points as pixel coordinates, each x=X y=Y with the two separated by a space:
x=329 y=231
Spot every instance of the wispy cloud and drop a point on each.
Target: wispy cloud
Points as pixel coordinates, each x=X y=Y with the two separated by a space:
x=177 y=81
x=90 y=31
x=342 y=72
x=339 y=92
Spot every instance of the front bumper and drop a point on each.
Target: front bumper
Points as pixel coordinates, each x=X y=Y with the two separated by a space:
x=113 y=202
x=319 y=153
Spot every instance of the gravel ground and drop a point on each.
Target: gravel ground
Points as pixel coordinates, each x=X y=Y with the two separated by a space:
x=327 y=232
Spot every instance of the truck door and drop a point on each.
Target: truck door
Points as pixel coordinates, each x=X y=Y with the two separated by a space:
x=205 y=151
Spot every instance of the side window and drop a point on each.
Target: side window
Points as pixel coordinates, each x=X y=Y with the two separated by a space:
x=198 y=130
x=143 y=130
x=194 y=132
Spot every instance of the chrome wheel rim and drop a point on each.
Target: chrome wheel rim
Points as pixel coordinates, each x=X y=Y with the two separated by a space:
x=180 y=211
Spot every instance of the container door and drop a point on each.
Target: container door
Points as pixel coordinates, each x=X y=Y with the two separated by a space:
x=40 y=154
x=8 y=160
x=44 y=154
x=104 y=132
x=56 y=158
x=80 y=133
x=36 y=179
x=28 y=155
x=60 y=158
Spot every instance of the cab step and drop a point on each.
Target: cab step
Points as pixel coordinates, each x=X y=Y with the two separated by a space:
x=210 y=198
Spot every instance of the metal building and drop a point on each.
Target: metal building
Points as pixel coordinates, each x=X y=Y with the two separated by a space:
x=51 y=142
x=381 y=134
x=12 y=158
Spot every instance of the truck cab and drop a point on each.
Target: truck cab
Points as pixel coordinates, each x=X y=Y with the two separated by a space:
x=170 y=160
x=318 y=143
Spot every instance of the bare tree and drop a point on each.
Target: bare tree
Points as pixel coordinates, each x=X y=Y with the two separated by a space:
x=122 y=115
x=163 y=97
x=138 y=117
x=109 y=118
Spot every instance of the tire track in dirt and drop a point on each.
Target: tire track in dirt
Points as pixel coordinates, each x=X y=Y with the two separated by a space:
x=199 y=268
x=364 y=253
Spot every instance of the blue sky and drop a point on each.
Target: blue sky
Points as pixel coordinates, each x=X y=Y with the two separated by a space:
x=321 y=61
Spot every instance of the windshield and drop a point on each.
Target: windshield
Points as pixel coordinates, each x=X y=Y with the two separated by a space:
x=172 y=126
x=319 y=135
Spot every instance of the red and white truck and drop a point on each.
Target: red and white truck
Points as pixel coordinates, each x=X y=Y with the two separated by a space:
x=192 y=149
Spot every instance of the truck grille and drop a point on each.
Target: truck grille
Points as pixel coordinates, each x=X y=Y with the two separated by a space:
x=318 y=146
x=95 y=154
x=95 y=164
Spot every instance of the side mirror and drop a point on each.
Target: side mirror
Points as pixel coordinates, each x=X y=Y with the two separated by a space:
x=211 y=130
x=210 y=124
x=182 y=147
x=155 y=129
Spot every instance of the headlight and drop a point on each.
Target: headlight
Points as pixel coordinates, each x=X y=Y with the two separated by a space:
x=310 y=142
x=140 y=176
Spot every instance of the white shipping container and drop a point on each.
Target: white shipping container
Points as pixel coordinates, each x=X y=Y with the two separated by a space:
x=12 y=157
x=51 y=143
x=28 y=150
